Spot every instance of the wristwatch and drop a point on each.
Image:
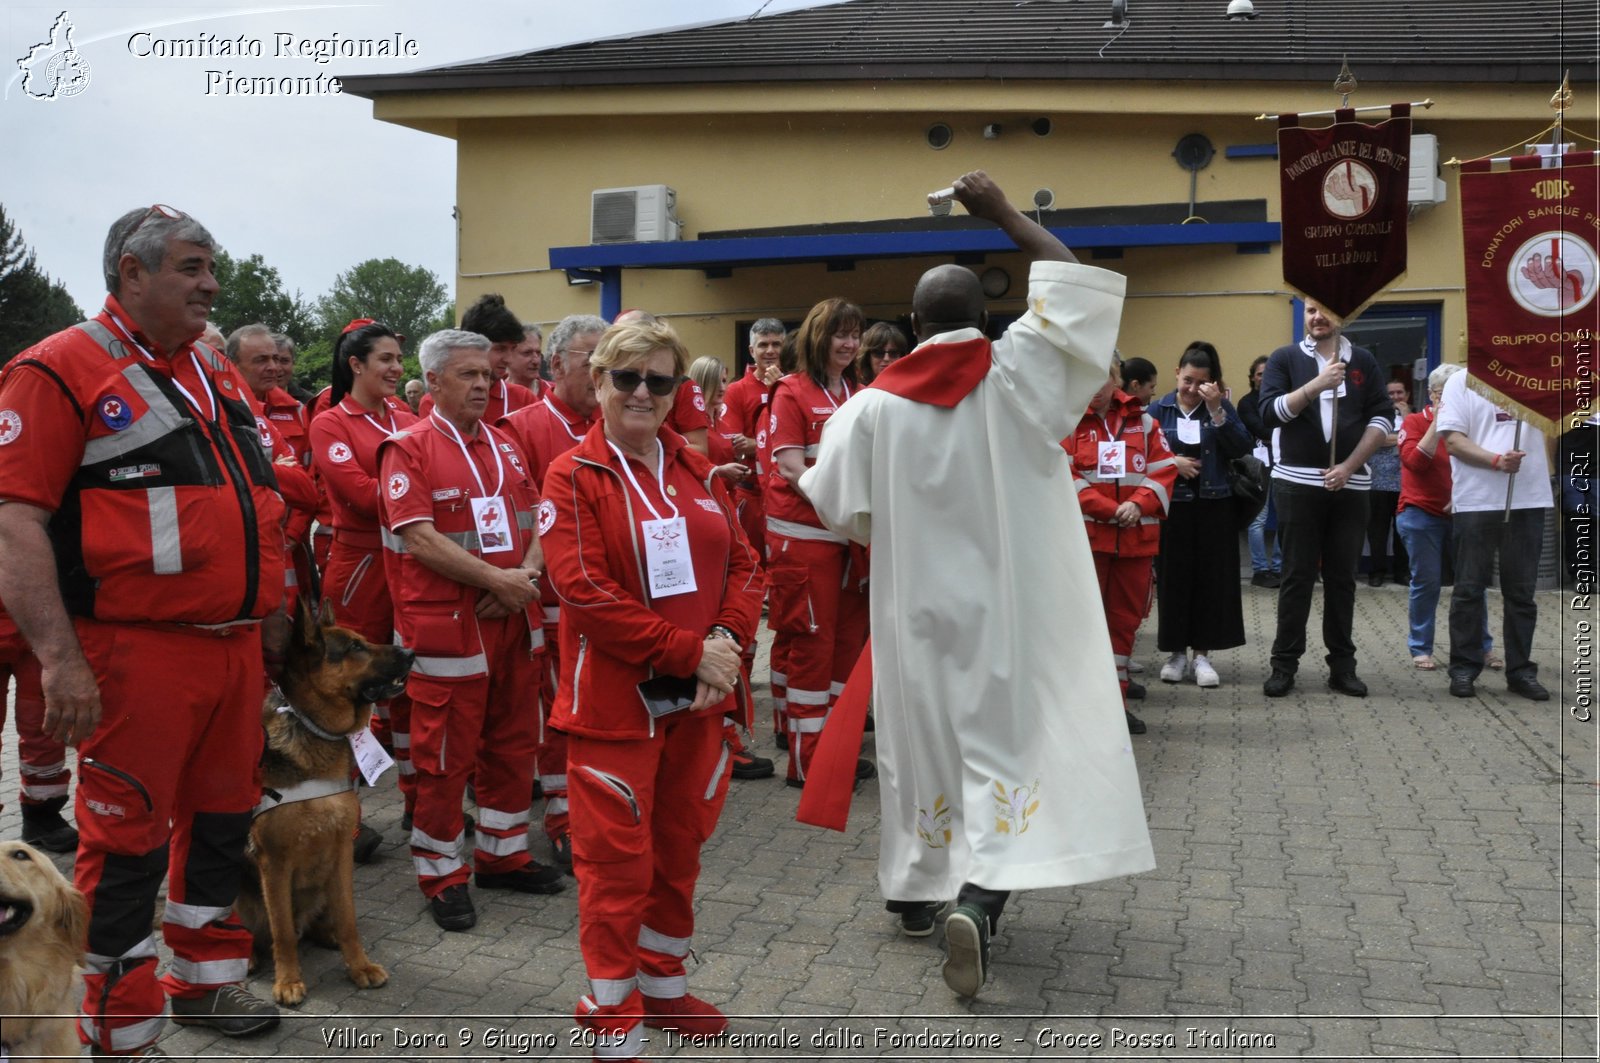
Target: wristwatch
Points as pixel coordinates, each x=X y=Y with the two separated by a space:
x=718 y=631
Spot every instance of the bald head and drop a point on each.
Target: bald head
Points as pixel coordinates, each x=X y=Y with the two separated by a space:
x=947 y=298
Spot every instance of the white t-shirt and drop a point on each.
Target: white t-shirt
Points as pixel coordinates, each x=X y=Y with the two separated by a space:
x=1475 y=489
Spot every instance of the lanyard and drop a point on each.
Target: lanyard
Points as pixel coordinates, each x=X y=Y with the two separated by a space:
x=829 y=395
x=362 y=410
x=562 y=421
x=204 y=383
x=627 y=469
x=1111 y=436
x=472 y=466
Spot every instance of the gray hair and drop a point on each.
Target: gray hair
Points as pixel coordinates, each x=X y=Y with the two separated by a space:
x=767 y=326
x=242 y=333
x=438 y=347
x=283 y=343
x=1442 y=373
x=144 y=233
x=532 y=330
x=212 y=330
x=571 y=327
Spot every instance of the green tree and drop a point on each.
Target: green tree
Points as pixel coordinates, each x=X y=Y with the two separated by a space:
x=32 y=305
x=409 y=299
x=251 y=292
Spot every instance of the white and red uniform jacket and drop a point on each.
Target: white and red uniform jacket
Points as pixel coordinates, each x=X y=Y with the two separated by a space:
x=1150 y=472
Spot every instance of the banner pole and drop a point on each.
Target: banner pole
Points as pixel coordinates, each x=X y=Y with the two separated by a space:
x=1357 y=110
x=1511 y=480
x=1333 y=434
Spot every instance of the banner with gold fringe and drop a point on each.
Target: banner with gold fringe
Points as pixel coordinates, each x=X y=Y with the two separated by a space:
x=1531 y=227
x=1344 y=206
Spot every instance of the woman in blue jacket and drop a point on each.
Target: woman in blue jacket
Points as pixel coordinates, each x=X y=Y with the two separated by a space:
x=1197 y=583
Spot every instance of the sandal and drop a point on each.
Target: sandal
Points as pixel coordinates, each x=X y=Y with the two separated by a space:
x=1494 y=661
x=1424 y=662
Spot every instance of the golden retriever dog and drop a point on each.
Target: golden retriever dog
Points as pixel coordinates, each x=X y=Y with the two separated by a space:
x=43 y=921
x=300 y=841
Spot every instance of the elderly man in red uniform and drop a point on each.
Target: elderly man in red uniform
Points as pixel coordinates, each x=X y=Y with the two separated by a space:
x=544 y=431
x=267 y=368
x=142 y=528
x=490 y=317
x=464 y=569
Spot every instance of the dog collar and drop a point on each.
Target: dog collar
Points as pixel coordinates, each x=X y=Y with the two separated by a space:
x=308 y=724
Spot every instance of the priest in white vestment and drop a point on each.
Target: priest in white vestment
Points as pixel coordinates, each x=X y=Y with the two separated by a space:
x=1003 y=750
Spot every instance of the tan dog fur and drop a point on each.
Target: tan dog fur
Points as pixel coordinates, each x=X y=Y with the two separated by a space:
x=39 y=959
x=302 y=850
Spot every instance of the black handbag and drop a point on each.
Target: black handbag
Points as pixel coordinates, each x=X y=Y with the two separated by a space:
x=1247 y=480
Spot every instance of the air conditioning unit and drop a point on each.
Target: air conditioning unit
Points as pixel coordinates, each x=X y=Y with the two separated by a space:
x=1425 y=188
x=639 y=214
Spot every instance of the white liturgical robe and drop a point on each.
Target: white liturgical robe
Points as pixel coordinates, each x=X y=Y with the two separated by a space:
x=1002 y=748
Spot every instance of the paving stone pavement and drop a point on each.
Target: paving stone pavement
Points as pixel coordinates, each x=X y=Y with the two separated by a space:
x=1405 y=875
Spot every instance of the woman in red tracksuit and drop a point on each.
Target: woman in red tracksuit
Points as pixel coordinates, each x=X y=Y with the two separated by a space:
x=818 y=598
x=656 y=581
x=344 y=446
x=1123 y=472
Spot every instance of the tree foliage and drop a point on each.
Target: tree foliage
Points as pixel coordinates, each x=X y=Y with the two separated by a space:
x=32 y=305
x=409 y=299
x=251 y=292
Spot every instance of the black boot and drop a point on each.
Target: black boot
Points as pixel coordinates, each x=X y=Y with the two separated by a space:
x=43 y=826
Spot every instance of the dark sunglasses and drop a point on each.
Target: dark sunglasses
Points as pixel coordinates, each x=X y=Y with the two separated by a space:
x=627 y=381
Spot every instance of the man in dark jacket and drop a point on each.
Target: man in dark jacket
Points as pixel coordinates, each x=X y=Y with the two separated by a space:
x=1324 y=401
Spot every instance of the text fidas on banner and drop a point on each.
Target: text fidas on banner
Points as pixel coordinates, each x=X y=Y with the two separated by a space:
x=1343 y=191
x=1530 y=232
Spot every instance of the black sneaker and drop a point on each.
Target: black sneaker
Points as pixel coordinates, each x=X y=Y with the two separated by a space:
x=1348 y=683
x=1529 y=687
x=366 y=844
x=561 y=847
x=966 y=936
x=1136 y=726
x=1136 y=690
x=452 y=909
x=43 y=826
x=1259 y=579
x=1278 y=684
x=529 y=878
x=865 y=770
x=746 y=765
x=1461 y=686
x=918 y=922
x=230 y=1010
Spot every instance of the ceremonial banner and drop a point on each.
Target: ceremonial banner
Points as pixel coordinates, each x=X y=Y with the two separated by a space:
x=1343 y=190
x=1531 y=233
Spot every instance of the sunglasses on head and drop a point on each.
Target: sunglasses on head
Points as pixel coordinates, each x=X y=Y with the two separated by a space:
x=627 y=381
x=157 y=210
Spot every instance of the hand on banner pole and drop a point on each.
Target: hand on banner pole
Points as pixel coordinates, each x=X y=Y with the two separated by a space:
x=1544 y=272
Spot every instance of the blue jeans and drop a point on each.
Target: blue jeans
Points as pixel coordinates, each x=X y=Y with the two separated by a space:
x=1258 y=540
x=1424 y=536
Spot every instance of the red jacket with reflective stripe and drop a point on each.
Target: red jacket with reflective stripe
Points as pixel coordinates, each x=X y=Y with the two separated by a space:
x=424 y=476
x=159 y=513
x=611 y=640
x=1151 y=472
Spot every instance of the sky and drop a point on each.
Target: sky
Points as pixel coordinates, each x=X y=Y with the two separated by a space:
x=312 y=183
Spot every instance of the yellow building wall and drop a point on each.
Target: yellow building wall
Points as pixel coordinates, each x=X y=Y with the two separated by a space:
x=746 y=157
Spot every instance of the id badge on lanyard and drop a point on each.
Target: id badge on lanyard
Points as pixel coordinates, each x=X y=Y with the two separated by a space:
x=669 y=566
x=1113 y=460
x=492 y=519
x=666 y=557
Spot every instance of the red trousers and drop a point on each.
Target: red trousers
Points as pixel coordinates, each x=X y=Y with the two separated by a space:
x=816 y=597
x=355 y=583
x=1125 y=590
x=552 y=751
x=168 y=778
x=641 y=810
x=486 y=728
x=41 y=759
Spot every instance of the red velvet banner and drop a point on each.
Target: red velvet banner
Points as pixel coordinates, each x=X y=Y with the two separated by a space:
x=1531 y=233
x=1343 y=190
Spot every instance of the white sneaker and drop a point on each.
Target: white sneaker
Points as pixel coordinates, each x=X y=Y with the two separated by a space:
x=1204 y=674
x=1134 y=667
x=1175 y=668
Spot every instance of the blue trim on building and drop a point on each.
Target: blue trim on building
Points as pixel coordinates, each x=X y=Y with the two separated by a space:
x=1250 y=151
x=835 y=247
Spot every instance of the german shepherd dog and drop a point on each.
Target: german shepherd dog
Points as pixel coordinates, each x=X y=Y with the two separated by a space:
x=301 y=847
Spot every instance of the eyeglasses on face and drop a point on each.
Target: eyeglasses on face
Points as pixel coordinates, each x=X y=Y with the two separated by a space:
x=627 y=381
